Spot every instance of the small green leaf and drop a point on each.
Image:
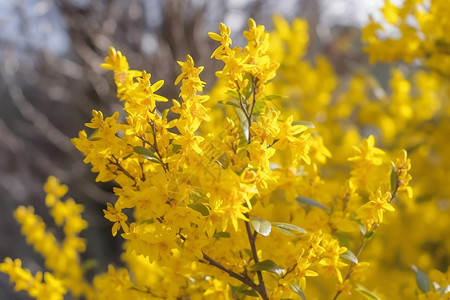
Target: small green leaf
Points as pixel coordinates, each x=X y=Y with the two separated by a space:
x=201 y=208
x=297 y=289
x=362 y=227
x=368 y=236
x=232 y=94
x=309 y=201
x=195 y=195
x=253 y=200
x=394 y=177
x=175 y=148
x=261 y=226
x=286 y=228
x=271 y=97
x=222 y=234
x=243 y=120
x=421 y=280
x=342 y=238
x=249 y=253
x=146 y=153
x=350 y=256
x=248 y=293
x=259 y=108
x=248 y=90
x=223 y=161
x=269 y=266
x=366 y=293
x=239 y=291
x=304 y=123
x=95 y=138
x=229 y=103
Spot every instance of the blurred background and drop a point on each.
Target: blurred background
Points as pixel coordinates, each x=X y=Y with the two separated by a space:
x=50 y=80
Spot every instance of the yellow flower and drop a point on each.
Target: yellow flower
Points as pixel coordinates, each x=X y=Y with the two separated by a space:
x=52 y=288
x=302 y=271
x=118 y=217
x=403 y=165
x=54 y=190
x=378 y=203
x=391 y=12
x=223 y=38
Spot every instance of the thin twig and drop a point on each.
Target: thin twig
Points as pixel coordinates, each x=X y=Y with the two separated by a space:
x=252 y=239
x=120 y=168
x=364 y=243
x=233 y=274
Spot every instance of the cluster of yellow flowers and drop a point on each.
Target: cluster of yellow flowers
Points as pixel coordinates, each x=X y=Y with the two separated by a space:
x=62 y=259
x=421 y=32
x=234 y=199
x=413 y=115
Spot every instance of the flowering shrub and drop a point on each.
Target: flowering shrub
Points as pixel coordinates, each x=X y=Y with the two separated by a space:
x=246 y=193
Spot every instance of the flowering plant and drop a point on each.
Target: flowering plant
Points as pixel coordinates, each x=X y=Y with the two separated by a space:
x=234 y=197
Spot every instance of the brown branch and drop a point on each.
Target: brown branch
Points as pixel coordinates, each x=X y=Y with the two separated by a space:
x=120 y=168
x=252 y=239
x=233 y=274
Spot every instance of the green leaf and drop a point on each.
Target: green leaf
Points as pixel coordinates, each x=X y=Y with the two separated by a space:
x=304 y=123
x=253 y=200
x=297 y=289
x=249 y=253
x=239 y=292
x=286 y=228
x=222 y=234
x=366 y=293
x=232 y=94
x=394 y=177
x=95 y=138
x=362 y=227
x=421 y=280
x=259 y=107
x=195 y=195
x=261 y=226
x=350 y=256
x=201 y=208
x=248 y=90
x=271 y=97
x=269 y=266
x=342 y=238
x=249 y=293
x=243 y=120
x=309 y=201
x=175 y=148
x=235 y=293
x=229 y=103
x=368 y=236
x=223 y=161
x=147 y=154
